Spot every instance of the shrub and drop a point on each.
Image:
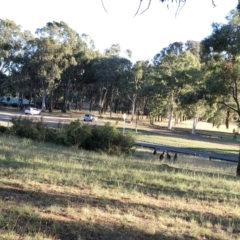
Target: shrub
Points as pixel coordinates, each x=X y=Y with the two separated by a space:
x=24 y=127
x=75 y=134
x=50 y=135
x=109 y=139
x=3 y=129
x=105 y=138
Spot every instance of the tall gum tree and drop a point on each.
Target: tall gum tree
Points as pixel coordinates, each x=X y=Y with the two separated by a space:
x=12 y=43
x=56 y=44
x=174 y=67
x=135 y=83
x=221 y=51
x=109 y=72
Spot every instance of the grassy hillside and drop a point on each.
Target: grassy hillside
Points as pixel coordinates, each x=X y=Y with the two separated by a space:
x=51 y=192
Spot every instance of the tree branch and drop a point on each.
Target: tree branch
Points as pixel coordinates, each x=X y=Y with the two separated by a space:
x=140 y=3
x=180 y=7
x=104 y=6
x=235 y=92
x=149 y=3
x=225 y=104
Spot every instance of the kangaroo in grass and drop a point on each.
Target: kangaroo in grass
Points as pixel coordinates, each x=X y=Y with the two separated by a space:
x=162 y=156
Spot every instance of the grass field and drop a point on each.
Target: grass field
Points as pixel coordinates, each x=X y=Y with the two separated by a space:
x=197 y=144
x=51 y=192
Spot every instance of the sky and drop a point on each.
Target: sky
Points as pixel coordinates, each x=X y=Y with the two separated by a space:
x=145 y=35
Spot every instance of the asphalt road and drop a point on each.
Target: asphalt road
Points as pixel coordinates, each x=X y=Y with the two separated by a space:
x=187 y=151
x=7 y=116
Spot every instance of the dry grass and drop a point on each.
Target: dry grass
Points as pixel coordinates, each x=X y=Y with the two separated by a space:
x=51 y=192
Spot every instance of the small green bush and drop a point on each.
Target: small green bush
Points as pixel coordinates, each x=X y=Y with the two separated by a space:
x=105 y=138
x=26 y=128
x=3 y=129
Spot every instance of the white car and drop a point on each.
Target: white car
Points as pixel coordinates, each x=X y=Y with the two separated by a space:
x=90 y=118
x=32 y=111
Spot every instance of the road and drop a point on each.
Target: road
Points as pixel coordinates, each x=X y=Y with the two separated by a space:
x=187 y=151
x=7 y=116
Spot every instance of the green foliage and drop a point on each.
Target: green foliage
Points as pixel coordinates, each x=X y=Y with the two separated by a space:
x=3 y=129
x=110 y=140
x=105 y=138
x=26 y=128
x=77 y=134
x=218 y=117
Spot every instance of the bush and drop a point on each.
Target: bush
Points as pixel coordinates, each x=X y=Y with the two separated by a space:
x=3 y=129
x=105 y=138
x=109 y=139
x=27 y=128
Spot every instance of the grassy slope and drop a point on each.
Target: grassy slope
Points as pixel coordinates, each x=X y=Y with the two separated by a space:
x=51 y=192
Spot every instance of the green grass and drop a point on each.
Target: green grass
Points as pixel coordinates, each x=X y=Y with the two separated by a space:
x=51 y=192
x=203 y=145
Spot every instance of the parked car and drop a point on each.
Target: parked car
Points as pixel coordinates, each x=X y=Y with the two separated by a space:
x=32 y=111
x=89 y=118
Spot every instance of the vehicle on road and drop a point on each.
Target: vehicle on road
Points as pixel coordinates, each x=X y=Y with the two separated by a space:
x=89 y=118
x=32 y=111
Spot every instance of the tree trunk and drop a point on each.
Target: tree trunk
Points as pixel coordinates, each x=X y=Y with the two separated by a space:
x=111 y=103
x=176 y=120
x=170 y=119
x=43 y=99
x=133 y=109
x=51 y=102
x=227 y=119
x=136 y=122
x=80 y=104
x=238 y=166
x=90 y=106
x=66 y=96
x=64 y=105
x=195 y=121
x=20 y=99
x=116 y=105
x=102 y=100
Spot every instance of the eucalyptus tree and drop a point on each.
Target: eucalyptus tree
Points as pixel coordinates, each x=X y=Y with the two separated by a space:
x=146 y=95
x=114 y=50
x=109 y=72
x=192 y=100
x=82 y=84
x=221 y=51
x=56 y=43
x=224 y=39
x=166 y=65
x=12 y=42
x=218 y=114
x=133 y=85
x=175 y=48
x=73 y=76
x=25 y=74
x=173 y=72
x=128 y=52
x=223 y=82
